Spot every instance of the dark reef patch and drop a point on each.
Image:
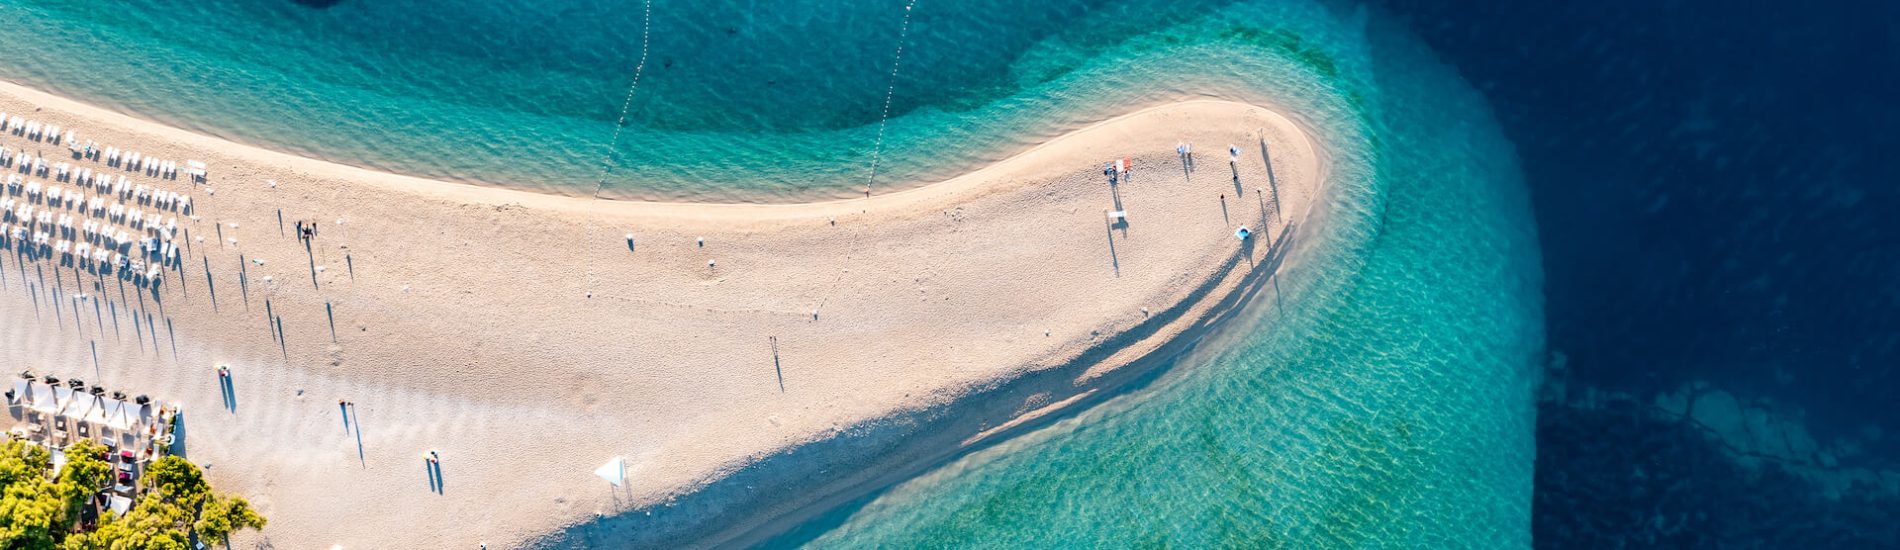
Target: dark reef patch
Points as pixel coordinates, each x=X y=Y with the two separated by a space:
x=1622 y=474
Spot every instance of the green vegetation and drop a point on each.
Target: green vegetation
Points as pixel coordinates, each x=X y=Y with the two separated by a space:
x=39 y=512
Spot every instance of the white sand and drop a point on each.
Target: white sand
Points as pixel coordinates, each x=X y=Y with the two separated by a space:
x=468 y=325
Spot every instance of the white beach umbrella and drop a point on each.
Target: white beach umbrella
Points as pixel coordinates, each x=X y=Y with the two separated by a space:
x=614 y=471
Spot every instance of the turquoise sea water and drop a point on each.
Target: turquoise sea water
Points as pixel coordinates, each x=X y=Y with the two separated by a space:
x=740 y=100
x=1382 y=400
x=1381 y=397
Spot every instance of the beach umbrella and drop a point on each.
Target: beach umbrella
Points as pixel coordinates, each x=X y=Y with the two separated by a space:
x=614 y=471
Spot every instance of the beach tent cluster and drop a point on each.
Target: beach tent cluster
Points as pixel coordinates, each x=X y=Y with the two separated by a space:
x=57 y=416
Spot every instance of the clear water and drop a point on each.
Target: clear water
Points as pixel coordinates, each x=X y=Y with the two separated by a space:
x=741 y=100
x=1381 y=397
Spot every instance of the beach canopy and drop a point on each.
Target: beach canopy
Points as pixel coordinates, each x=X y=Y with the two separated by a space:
x=71 y=403
x=43 y=399
x=98 y=404
x=78 y=404
x=120 y=504
x=614 y=471
x=120 y=415
x=58 y=459
x=22 y=390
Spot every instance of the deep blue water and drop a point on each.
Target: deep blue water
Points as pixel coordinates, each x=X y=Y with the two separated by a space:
x=1715 y=186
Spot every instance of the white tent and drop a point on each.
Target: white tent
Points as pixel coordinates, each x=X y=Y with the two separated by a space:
x=120 y=504
x=43 y=399
x=78 y=404
x=121 y=415
x=614 y=471
x=98 y=413
x=58 y=460
x=22 y=391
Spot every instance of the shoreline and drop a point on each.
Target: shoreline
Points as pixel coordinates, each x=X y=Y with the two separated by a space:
x=943 y=448
x=968 y=425
x=632 y=349
x=505 y=192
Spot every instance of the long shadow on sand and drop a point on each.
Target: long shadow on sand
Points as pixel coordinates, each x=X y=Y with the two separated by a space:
x=815 y=486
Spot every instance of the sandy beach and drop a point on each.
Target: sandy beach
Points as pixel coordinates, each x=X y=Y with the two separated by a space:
x=527 y=339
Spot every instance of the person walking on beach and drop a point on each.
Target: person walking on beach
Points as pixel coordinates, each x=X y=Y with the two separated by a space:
x=1233 y=154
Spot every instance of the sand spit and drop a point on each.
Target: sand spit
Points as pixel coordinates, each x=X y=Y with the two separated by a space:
x=527 y=339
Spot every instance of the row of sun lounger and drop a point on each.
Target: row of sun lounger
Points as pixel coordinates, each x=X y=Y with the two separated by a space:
x=161 y=254
x=32 y=129
x=111 y=156
x=102 y=220
x=84 y=178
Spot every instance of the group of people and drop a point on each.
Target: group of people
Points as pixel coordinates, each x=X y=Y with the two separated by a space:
x=1186 y=151
x=306 y=231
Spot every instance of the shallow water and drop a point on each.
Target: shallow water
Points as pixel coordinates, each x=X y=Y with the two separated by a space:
x=1381 y=398
x=738 y=101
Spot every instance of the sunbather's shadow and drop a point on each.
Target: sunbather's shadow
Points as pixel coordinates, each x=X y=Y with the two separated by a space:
x=229 y=389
